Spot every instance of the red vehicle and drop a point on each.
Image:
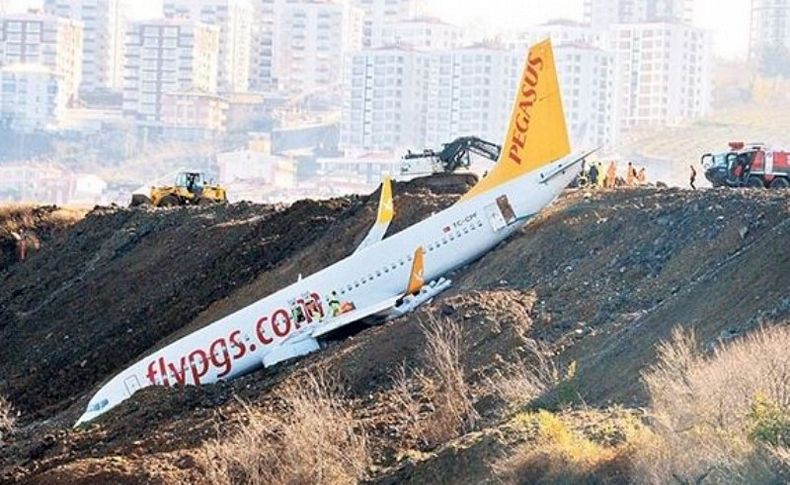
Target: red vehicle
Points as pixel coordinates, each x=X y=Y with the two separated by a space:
x=752 y=165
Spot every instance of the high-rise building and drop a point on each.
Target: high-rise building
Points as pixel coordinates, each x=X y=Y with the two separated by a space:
x=470 y=91
x=167 y=55
x=234 y=19
x=38 y=38
x=311 y=43
x=33 y=97
x=664 y=73
x=561 y=32
x=587 y=77
x=587 y=73
x=262 y=49
x=102 y=53
x=423 y=33
x=377 y=14
x=404 y=98
x=770 y=27
x=383 y=101
x=602 y=13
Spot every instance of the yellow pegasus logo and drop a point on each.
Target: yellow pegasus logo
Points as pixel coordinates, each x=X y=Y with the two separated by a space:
x=537 y=134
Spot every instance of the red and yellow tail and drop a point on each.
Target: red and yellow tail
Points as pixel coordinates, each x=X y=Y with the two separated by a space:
x=537 y=134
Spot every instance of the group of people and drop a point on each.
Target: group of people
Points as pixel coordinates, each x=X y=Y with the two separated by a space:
x=306 y=308
x=596 y=176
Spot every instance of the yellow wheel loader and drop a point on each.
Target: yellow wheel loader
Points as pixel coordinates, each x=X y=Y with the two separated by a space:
x=191 y=188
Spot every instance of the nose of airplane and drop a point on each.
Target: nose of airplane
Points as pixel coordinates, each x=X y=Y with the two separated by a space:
x=86 y=416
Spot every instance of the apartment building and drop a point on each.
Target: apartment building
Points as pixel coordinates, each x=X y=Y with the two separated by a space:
x=378 y=14
x=103 y=37
x=424 y=33
x=587 y=71
x=38 y=38
x=587 y=77
x=401 y=98
x=383 y=100
x=234 y=19
x=470 y=91
x=560 y=32
x=311 y=42
x=167 y=55
x=603 y=13
x=193 y=115
x=262 y=76
x=32 y=97
x=664 y=73
x=770 y=26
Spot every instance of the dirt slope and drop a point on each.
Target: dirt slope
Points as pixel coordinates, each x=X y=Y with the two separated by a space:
x=598 y=277
x=125 y=279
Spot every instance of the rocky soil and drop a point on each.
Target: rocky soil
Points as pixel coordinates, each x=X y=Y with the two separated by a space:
x=598 y=279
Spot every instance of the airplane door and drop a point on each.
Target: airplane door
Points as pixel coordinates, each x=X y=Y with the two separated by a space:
x=132 y=384
x=500 y=213
x=494 y=216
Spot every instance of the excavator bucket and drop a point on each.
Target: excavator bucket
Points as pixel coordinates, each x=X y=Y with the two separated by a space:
x=139 y=199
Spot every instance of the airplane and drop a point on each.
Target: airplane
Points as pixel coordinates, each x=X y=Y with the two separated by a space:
x=385 y=277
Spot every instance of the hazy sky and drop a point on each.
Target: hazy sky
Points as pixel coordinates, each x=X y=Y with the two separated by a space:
x=728 y=19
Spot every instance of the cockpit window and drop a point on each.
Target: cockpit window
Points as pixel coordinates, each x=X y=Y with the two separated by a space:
x=98 y=406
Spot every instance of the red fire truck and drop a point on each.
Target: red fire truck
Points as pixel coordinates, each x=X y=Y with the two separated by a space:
x=748 y=165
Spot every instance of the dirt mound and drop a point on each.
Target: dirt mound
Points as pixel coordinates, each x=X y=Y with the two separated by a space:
x=599 y=279
x=23 y=229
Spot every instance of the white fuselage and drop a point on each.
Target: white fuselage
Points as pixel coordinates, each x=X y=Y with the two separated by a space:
x=236 y=344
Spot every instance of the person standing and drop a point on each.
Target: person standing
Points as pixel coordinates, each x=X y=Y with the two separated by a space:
x=601 y=176
x=693 y=177
x=593 y=175
x=611 y=175
x=629 y=175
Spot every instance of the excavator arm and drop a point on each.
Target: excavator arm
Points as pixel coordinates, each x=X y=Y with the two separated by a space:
x=456 y=154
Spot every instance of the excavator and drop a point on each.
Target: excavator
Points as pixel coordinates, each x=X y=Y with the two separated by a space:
x=453 y=155
x=190 y=188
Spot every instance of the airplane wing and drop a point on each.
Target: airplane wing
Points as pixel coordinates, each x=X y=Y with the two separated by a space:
x=305 y=340
x=383 y=219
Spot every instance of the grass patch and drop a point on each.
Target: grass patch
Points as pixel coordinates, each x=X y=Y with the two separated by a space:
x=719 y=418
x=316 y=440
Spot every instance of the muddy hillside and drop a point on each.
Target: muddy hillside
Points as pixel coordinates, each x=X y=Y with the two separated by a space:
x=596 y=280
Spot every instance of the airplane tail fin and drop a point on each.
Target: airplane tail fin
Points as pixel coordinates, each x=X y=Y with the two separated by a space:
x=537 y=134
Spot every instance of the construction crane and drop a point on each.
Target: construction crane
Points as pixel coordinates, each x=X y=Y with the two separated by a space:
x=452 y=156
